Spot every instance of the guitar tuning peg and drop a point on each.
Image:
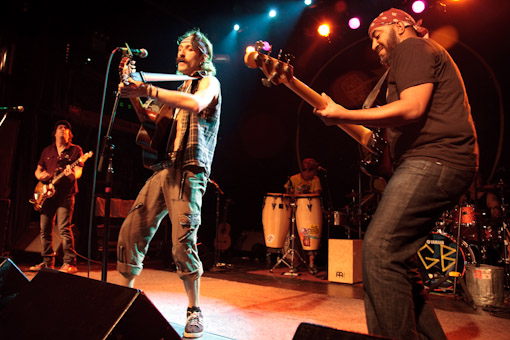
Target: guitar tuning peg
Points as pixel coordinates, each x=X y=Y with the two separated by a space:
x=289 y=57
x=279 y=54
x=266 y=82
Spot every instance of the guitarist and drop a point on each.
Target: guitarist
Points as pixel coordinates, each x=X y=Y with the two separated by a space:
x=434 y=149
x=55 y=159
x=180 y=176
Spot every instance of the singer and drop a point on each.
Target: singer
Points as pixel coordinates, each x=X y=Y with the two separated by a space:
x=180 y=176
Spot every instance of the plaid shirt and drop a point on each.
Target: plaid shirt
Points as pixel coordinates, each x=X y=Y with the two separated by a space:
x=200 y=132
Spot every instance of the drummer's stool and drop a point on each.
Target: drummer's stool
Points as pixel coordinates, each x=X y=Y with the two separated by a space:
x=344 y=261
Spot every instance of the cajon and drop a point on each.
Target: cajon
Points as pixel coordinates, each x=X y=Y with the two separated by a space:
x=344 y=261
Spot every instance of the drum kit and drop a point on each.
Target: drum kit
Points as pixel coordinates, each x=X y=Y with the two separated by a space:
x=463 y=235
x=284 y=213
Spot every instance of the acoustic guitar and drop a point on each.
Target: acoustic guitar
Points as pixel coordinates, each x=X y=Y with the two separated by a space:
x=43 y=191
x=280 y=72
x=154 y=126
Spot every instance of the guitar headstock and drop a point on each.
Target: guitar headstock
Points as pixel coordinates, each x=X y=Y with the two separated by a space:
x=126 y=68
x=276 y=71
x=86 y=156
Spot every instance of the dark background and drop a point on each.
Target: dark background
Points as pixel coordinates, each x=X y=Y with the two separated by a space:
x=57 y=66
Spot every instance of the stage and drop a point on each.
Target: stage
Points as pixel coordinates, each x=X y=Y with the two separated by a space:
x=247 y=301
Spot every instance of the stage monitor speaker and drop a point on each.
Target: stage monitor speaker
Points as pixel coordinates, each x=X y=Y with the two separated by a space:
x=344 y=261
x=58 y=305
x=307 y=331
x=12 y=281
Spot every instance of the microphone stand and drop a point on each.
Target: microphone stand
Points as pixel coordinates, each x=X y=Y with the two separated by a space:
x=5 y=116
x=107 y=153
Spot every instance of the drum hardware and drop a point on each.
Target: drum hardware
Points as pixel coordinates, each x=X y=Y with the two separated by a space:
x=459 y=277
x=291 y=252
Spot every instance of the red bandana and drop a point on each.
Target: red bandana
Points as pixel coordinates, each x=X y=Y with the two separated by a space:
x=393 y=16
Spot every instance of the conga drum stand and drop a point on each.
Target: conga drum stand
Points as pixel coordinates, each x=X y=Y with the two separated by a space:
x=291 y=253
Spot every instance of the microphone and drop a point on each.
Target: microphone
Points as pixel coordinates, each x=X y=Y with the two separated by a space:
x=142 y=53
x=12 y=109
x=320 y=168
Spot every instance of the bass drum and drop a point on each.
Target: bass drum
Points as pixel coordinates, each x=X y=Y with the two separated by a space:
x=437 y=258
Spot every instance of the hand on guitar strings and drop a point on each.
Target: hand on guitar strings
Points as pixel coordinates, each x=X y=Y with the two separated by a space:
x=44 y=176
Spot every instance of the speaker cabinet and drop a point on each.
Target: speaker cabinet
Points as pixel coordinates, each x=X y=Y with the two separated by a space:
x=58 y=305
x=307 y=331
x=344 y=261
x=12 y=281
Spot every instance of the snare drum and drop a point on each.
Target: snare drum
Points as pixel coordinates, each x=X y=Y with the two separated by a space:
x=309 y=220
x=276 y=219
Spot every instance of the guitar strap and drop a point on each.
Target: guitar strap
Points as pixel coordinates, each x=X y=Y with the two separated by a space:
x=369 y=101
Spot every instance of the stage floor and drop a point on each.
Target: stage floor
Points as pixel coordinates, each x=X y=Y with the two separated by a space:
x=244 y=300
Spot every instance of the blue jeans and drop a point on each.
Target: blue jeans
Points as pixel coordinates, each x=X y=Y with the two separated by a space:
x=61 y=210
x=396 y=303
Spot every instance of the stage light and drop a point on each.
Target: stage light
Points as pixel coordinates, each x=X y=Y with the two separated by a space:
x=272 y=13
x=418 y=6
x=354 y=23
x=250 y=49
x=236 y=27
x=324 y=30
x=308 y=2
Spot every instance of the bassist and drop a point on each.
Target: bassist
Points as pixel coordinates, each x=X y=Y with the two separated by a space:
x=55 y=159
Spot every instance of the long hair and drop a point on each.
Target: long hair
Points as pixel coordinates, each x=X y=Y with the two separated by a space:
x=201 y=43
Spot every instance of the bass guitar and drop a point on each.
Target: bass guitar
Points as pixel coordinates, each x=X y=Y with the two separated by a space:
x=43 y=191
x=280 y=72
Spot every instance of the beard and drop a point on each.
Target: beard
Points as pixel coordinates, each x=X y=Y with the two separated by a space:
x=389 y=46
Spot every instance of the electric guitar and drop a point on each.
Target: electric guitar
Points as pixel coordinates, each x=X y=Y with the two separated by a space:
x=44 y=191
x=222 y=241
x=280 y=72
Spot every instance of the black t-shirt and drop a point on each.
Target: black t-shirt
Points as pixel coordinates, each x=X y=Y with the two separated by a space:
x=446 y=132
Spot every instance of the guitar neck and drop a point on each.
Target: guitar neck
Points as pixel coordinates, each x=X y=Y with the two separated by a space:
x=360 y=133
x=60 y=175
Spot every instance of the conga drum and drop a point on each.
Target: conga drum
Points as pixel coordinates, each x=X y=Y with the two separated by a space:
x=309 y=220
x=276 y=219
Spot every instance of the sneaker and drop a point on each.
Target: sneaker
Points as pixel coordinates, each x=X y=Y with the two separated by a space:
x=194 y=323
x=68 y=268
x=40 y=266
